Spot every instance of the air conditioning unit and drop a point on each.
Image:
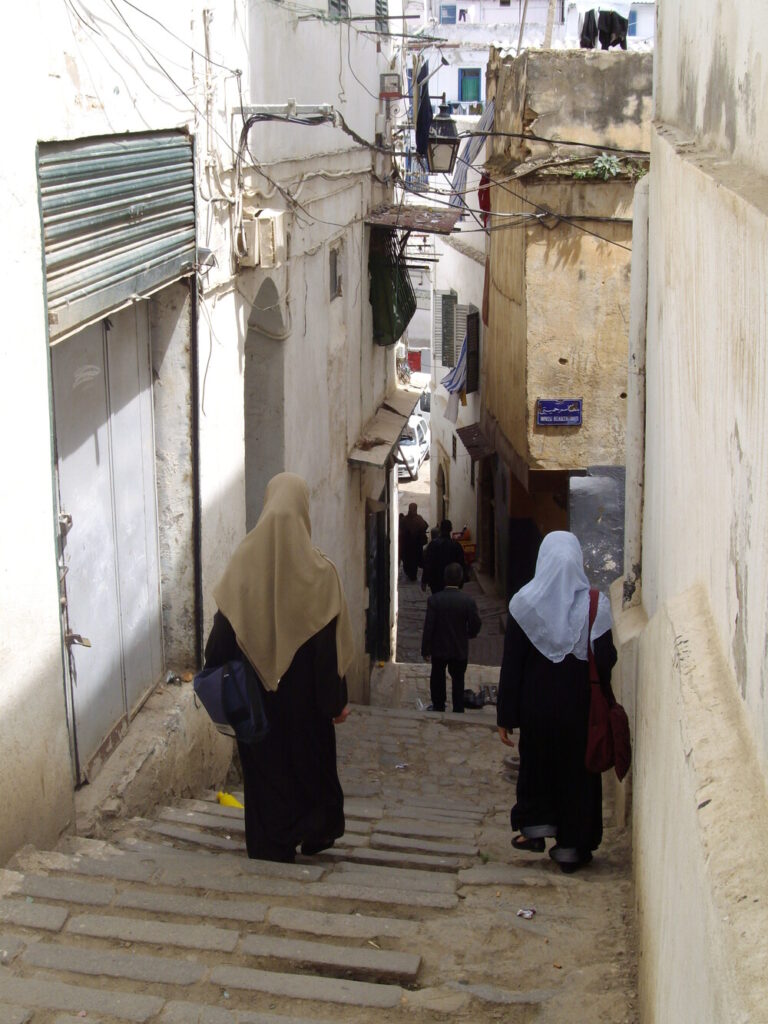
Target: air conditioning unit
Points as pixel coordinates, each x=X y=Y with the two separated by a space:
x=271 y=230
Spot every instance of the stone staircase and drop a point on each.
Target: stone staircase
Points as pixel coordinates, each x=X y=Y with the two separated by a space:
x=410 y=917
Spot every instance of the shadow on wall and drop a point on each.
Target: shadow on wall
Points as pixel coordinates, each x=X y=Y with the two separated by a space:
x=264 y=398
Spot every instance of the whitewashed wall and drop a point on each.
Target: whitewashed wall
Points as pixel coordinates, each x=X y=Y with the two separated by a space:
x=700 y=802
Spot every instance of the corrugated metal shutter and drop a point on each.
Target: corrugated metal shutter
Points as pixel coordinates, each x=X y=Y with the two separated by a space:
x=473 y=350
x=118 y=221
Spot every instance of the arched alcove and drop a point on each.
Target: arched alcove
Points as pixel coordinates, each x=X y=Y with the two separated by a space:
x=264 y=397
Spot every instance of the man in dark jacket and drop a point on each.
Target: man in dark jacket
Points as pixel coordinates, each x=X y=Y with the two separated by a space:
x=439 y=553
x=451 y=621
x=413 y=537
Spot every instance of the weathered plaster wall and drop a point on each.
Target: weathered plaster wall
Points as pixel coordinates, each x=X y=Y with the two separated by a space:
x=464 y=271
x=702 y=717
x=577 y=298
x=504 y=361
x=595 y=96
x=709 y=76
x=706 y=493
x=700 y=833
x=170 y=330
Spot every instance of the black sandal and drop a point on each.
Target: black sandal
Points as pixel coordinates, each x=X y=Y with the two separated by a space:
x=524 y=843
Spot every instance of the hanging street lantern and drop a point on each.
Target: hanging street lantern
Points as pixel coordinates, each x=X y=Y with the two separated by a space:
x=443 y=144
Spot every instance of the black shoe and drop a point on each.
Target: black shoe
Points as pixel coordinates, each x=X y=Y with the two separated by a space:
x=525 y=843
x=431 y=707
x=309 y=848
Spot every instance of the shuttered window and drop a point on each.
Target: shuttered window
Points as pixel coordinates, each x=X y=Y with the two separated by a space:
x=382 y=12
x=473 y=350
x=118 y=216
x=449 y=326
x=338 y=8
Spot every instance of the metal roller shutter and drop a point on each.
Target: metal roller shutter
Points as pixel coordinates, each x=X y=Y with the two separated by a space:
x=118 y=219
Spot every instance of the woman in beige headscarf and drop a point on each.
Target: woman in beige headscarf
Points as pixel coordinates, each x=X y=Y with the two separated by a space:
x=282 y=610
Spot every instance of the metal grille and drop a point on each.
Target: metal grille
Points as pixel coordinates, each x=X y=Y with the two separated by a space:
x=118 y=219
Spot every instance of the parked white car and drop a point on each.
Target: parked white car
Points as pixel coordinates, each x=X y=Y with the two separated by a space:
x=414 y=446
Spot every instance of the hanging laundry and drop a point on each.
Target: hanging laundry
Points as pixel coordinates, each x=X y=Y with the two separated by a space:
x=484 y=198
x=588 y=31
x=424 y=115
x=612 y=30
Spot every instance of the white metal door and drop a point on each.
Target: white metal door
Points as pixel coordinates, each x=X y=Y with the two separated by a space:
x=105 y=460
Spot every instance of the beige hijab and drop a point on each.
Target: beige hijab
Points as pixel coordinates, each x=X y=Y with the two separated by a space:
x=278 y=590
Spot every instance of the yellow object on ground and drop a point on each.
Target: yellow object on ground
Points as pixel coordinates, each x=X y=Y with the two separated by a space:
x=228 y=800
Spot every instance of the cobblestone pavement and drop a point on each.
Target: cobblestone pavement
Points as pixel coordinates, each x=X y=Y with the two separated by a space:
x=412 y=917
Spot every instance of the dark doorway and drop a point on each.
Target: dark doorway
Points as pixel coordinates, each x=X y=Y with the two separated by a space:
x=377 y=628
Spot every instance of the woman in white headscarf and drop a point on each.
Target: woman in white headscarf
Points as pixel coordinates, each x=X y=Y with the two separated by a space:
x=282 y=609
x=544 y=690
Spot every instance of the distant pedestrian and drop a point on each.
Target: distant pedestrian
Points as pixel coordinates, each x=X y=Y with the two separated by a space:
x=413 y=537
x=439 y=553
x=451 y=621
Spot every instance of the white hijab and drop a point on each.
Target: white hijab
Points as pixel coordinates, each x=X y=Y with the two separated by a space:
x=553 y=609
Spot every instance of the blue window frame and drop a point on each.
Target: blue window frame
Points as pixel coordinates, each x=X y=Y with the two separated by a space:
x=469 y=85
x=632 y=28
x=447 y=14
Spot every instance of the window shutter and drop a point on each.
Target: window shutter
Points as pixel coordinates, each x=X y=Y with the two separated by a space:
x=448 y=349
x=459 y=330
x=382 y=11
x=473 y=350
x=437 y=324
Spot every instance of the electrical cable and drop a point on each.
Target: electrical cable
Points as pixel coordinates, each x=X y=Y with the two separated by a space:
x=560 y=142
x=234 y=71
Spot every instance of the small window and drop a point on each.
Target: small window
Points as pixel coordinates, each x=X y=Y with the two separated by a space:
x=560 y=12
x=632 y=27
x=447 y=14
x=334 y=264
x=338 y=8
x=469 y=85
x=382 y=14
x=504 y=3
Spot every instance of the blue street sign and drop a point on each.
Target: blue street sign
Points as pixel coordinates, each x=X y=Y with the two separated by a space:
x=558 y=412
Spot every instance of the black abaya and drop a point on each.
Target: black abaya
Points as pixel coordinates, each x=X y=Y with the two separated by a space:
x=292 y=789
x=549 y=702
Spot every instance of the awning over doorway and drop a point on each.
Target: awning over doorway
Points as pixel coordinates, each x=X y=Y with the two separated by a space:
x=425 y=220
x=382 y=432
x=475 y=441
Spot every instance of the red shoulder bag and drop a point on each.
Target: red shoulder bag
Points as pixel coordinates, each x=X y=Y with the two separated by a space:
x=608 y=740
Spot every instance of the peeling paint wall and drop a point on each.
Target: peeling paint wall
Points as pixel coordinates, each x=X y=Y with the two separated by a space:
x=559 y=290
x=710 y=79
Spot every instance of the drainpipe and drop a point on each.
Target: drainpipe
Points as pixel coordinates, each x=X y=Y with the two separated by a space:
x=197 y=528
x=635 y=438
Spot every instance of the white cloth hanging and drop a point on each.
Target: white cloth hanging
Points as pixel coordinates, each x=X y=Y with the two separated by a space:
x=553 y=609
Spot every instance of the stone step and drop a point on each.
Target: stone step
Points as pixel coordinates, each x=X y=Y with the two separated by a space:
x=383 y=841
x=44 y=994
x=164 y=903
x=411 y=808
x=43 y=916
x=412 y=827
x=234 y=823
x=114 y=964
x=389 y=897
x=391 y=858
x=14 y=1015
x=399 y=878
x=69 y=890
x=176 y=1012
x=347 y=926
x=301 y=986
x=325 y=958
x=158 y=933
